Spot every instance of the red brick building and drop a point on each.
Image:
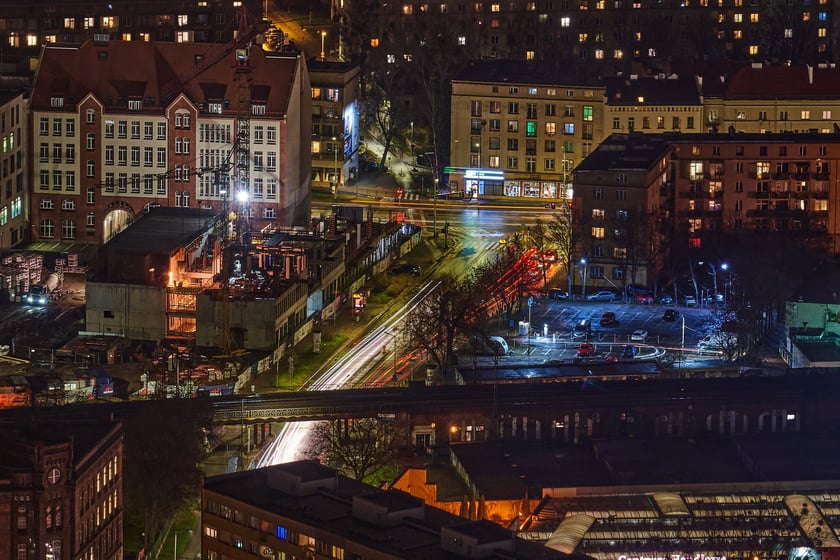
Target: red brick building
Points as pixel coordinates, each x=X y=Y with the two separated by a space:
x=119 y=126
x=61 y=492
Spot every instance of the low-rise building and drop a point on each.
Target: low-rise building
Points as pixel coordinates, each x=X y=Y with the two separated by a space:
x=307 y=510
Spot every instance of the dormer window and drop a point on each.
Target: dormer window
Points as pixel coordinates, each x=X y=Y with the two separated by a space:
x=214 y=108
x=258 y=109
x=56 y=102
x=135 y=105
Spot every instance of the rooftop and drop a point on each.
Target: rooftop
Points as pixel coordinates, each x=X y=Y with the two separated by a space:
x=332 y=509
x=516 y=72
x=163 y=230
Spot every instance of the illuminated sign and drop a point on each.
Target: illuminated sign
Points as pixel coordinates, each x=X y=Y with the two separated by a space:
x=698 y=556
x=484 y=174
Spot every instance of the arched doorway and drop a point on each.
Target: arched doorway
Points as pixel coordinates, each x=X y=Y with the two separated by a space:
x=118 y=216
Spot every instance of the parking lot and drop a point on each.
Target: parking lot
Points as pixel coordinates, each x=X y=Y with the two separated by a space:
x=554 y=335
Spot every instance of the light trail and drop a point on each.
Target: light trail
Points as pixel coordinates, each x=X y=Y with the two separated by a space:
x=291 y=440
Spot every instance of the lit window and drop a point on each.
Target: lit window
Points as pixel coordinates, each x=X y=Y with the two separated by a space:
x=738 y=18
x=753 y=18
x=822 y=32
x=31 y=40
x=530 y=55
x=599 y=54
x=108 y=22
x=583 y=37
x=753 y=50
x=462 y=40
x=565 y=21
x=598 y=232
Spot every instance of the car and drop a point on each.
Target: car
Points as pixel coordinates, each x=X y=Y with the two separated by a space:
x=670 y=315
x=557 y=293
x=549 y=256
x=601 y=295
x=665 y=299
x=717 y=298
x=586 y=350
x=689 y=301
x=643 y=297
x=630 y=351
x=608 y=319
x=412 y=269
x=639 y=335
x=582 y=329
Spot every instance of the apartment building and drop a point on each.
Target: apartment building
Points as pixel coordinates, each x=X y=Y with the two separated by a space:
x=120 y=126
x=25 y=26
x=335 y=122
x=640 y=194
x=307 y=510
x=732 y=182
x=600 y=38
x=62 y=492
x=14 y=194
x=652 y=104
x=763 y=98
x=518 y=130
x=618 y=194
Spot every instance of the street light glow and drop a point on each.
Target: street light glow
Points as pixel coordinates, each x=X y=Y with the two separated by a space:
x=242 y=196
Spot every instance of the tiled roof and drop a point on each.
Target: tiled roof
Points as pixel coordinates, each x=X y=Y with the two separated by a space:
x=784 y=82
x=652 y=91
x=133 y=69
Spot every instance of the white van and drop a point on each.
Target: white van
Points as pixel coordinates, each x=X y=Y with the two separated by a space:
x=499 y=345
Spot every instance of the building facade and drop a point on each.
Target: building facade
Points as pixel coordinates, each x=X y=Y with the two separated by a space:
x=27 y=26
x=121 y=126
x=599 y=38
x=518 y=130
x=62 y=493
x=691 y=188
x=14 y=195
x=335 y=122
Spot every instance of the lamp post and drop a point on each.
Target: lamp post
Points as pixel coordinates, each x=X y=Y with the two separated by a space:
x=175 y=549
x=434 y=208
x=583 y=278
x=530 y=303
x=335 y=167
x=323 y=53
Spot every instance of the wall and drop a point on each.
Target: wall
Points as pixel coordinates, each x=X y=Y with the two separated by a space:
x=129 y=310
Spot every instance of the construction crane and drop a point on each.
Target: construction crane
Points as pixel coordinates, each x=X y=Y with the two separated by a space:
x=249 y=28
x=240 y=186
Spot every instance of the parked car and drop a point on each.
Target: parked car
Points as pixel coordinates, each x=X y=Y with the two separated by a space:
x=412 y=269
x=642 y=297
x=639 y=335
x=586 y=350
x=601 y=295
x=608 y=319
x=670 y=315
x=583 y=329
x=557 y=293
x=665 y=299
x=690 y=301
x=630 y=351
x=717 y=298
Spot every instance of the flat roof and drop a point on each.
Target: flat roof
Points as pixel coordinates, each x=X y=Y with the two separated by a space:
x=163 y=230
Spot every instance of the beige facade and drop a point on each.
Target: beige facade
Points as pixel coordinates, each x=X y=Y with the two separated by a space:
x=511 y=136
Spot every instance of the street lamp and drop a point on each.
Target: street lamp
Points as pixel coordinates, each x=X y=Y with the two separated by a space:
x=323 y=53
x=175 y=549
x=335 y=167
x=583 y=278
x=434 y=208
x=530 y=303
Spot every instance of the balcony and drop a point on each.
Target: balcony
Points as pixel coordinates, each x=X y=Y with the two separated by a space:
x=780 y=194
x=754 y=194
x=820 y=175
x=822 y=194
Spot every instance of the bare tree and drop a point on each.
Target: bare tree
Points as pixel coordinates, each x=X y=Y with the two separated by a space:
x=565 y=232
x=358 y=447
x=440 y=318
